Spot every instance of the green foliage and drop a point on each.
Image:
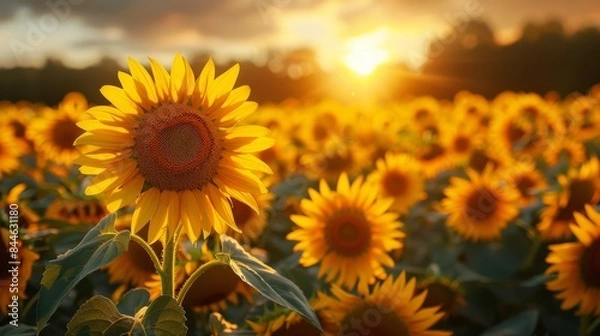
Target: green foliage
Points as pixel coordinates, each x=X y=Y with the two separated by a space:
x=133 y=300
x=164 y=317
x=266 y=280
x=99 y=247
x=521 y=324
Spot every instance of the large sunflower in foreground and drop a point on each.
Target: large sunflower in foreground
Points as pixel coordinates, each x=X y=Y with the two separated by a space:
x=348 y=231
x=577 y=265
x=480 y=207
x=54 y=131
x=580 y=186
x=391 y=308
x=170 y=144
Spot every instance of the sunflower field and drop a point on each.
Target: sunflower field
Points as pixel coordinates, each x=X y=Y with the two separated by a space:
x=183 y=208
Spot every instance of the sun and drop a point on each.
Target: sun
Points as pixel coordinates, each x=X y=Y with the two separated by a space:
x=366 y=53
x=365 y=61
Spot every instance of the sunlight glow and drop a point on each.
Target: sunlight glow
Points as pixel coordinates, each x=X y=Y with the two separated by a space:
x=366 y=53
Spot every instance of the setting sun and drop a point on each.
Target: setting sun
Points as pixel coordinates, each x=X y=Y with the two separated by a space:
x=365 y=53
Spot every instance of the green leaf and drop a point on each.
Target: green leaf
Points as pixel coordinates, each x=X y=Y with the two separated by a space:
x=93 y=317
x=99 y=247
x=164 y=317
x=133 y=300
x=21 y=330
x=266 y=280
x=522 y=324
x=537 y=280
x=124 y=326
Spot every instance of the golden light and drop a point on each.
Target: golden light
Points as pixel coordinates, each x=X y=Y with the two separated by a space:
x=366 y=53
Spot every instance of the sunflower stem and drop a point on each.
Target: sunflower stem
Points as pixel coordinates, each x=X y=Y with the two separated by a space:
x=141 y=242
x=584 y=323
x=168 y=267
x=197 y=273
x=593 y=326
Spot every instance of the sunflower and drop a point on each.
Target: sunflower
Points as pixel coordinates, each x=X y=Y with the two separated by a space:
x=54 y=131
x=391 y=308
x=460 y=138
x=348 y=231
x=10 y=153
x=525 y=127
x=335 y=156
x=133 y=268
x=577 y=267
x=442 y=292
x=16 y=120
x=26 y=257
x=289 y=323
x=572 y=150
x=170 y=144
x=399 y=177
x=216 y=288
x=76 y=211
x=481 y=157
x=433 y=159
x=526 y=179
x=481 y=206
x=580 y=186
x=583 y=118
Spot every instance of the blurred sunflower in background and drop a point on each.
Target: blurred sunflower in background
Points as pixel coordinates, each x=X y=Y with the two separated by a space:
x=55 y=130
x=441 y=292
x=170 y=145
x=399 y=177
x=15 y=120
x=349 y=232
x=526 y=179
x=10 y=153
x=391 y=308
x=577 y=265
x=579 y=187
x=479 y=207
x=283 y=322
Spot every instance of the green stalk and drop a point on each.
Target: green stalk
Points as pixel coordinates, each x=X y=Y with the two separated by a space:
x=141 y=242
x=168 y=267
x=197 y=273
x=584 y=323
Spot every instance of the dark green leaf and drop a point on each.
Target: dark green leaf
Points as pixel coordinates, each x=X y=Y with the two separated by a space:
x=538 y=280
x=99 y=247
x=266 y=280
x=20 y=330
x=133 y=300
x=522 y=324
x=164 y=317
x=124 y=326
x=93 y=317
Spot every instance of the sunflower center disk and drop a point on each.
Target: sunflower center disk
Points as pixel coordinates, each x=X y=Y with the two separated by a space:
x=177 y=148
x=590 y=265
x=348 y=233
x=376 y=321
x=395 y=183
x=65 y=132
x=481 y=205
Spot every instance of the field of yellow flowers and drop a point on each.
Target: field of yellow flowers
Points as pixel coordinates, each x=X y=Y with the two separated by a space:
x=181 y=207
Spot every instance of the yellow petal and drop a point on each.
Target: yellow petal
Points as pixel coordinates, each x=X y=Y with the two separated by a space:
x=161 y=79
x=141 y=74
x=144 y=209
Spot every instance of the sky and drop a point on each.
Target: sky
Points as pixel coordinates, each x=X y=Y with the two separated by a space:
x=81 y=32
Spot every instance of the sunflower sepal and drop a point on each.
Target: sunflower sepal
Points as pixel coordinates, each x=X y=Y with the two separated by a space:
x=266 y=280
x=98 y=248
